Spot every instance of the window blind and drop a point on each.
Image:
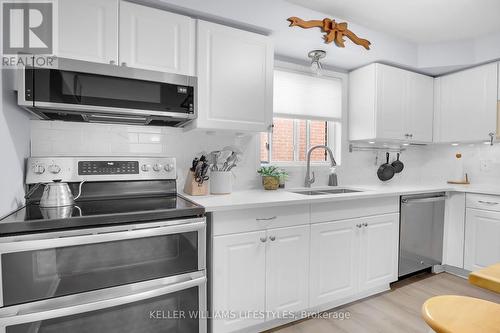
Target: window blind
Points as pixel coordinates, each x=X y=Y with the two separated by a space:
x=299 y=95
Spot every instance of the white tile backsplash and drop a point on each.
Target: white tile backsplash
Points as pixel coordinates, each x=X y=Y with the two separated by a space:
x=423 y=165
x=56 y=138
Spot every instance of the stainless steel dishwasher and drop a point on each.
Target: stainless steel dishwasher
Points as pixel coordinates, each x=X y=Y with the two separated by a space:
x=421 y=232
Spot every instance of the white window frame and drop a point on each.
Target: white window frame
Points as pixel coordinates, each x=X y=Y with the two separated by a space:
x=337 y=134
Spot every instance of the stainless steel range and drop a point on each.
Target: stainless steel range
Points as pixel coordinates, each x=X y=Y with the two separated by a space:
x=127 y=256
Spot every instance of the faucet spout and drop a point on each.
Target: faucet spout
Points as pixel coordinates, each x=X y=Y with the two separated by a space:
x=332 y=180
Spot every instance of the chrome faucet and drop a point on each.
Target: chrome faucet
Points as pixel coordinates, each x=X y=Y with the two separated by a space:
x=332 y=179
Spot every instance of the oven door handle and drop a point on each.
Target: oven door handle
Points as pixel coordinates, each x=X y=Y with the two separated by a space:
x=52 y=243
x=39 y=313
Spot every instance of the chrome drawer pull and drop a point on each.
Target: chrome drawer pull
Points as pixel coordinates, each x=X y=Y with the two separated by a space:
x=487 y=202
x=267 y=218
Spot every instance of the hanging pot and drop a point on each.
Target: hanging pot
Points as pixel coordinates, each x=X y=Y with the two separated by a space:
x=386 y=171
x=398 y=165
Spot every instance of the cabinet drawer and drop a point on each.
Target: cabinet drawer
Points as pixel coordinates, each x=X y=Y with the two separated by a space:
x=245 y=220
x=483 y=201
x=341 y=210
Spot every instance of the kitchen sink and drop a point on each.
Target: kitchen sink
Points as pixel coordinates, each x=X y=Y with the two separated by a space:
x=326 y=191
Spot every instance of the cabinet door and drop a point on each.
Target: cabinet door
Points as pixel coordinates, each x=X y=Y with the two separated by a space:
x=88 y=30
x=239 y=263
x=466 y=105
x=155 y=39
x=379 y=251
x=482 y=235
x=235 y=73
x=287 y=269
x=391 y=102
x=334 y=261
x=420 y=107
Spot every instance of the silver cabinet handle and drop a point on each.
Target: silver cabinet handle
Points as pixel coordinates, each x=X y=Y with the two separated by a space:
x=112 y=62
x=365 y=224
x=272 y=238
x=266 y=218
x=124 y=64
x=359 y=225
x=492 y=203
x=263 y=239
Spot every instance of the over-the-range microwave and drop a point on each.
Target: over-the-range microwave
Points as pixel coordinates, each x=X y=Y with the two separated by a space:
x=82 y=91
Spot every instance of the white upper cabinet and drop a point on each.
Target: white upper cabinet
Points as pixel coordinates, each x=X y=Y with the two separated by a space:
x=390 y=104
x=155 y=39
x=235 y=79
x=466 y=105
x=88 y=30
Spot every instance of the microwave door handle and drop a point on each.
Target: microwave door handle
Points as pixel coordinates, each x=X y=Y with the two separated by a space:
x=51 y=243
x=37 y=313
x=77 y=88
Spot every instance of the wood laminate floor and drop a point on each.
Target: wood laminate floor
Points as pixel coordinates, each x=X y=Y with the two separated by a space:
x=397 y=310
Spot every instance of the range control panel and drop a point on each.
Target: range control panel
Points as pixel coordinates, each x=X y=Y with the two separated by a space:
x=108 y=167
x=75 y=169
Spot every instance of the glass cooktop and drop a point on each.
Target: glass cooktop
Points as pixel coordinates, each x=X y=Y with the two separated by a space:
x=33 y=218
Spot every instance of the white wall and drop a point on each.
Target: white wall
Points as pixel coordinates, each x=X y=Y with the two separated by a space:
x=292 y=43
x=14 y=145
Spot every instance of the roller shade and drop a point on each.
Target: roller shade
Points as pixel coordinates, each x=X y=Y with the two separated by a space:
x=298 y=95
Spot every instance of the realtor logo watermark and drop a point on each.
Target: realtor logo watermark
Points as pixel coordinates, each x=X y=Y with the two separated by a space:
x=28 y=33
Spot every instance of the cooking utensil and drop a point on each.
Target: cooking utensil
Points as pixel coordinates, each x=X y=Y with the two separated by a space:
x=58 y=194
x=222 y=159
x=212 y=159
x=386 y=171
x=398 y=165
x=230 y=162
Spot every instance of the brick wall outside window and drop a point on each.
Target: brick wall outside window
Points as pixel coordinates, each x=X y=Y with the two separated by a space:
x=283 y=140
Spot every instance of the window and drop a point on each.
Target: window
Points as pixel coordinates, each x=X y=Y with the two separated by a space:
x=307 y=112
x=291 y=139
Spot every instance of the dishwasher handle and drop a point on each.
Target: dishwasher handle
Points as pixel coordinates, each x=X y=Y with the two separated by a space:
x=423 y=200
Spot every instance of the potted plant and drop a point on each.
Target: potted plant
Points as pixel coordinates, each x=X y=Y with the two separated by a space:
x=271 y=176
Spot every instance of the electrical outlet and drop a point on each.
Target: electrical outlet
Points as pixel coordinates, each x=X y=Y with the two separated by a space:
x=486 y=165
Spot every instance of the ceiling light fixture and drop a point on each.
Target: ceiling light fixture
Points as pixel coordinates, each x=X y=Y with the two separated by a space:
x=315 y=56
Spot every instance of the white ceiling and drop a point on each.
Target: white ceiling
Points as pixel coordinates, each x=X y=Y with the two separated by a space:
x=419 y=21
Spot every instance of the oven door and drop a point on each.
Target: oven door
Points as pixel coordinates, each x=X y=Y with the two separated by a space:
x=173 y=305
x=66 y=90
x=57 y=264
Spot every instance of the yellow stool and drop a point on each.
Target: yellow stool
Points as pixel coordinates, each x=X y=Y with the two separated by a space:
x=461 y=314
x=488 y=278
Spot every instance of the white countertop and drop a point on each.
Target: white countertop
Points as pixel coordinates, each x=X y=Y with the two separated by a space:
x=261 y=198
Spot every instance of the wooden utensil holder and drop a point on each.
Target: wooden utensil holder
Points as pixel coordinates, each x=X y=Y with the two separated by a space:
x=192 y=187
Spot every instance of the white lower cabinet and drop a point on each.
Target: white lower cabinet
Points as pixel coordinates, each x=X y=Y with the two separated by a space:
x=280 y=269
x=287 y=269
x=334 y=253
x=482 y=235
x=352 y=256
x=378 y=261
x=239 y=279
x=259 y=271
